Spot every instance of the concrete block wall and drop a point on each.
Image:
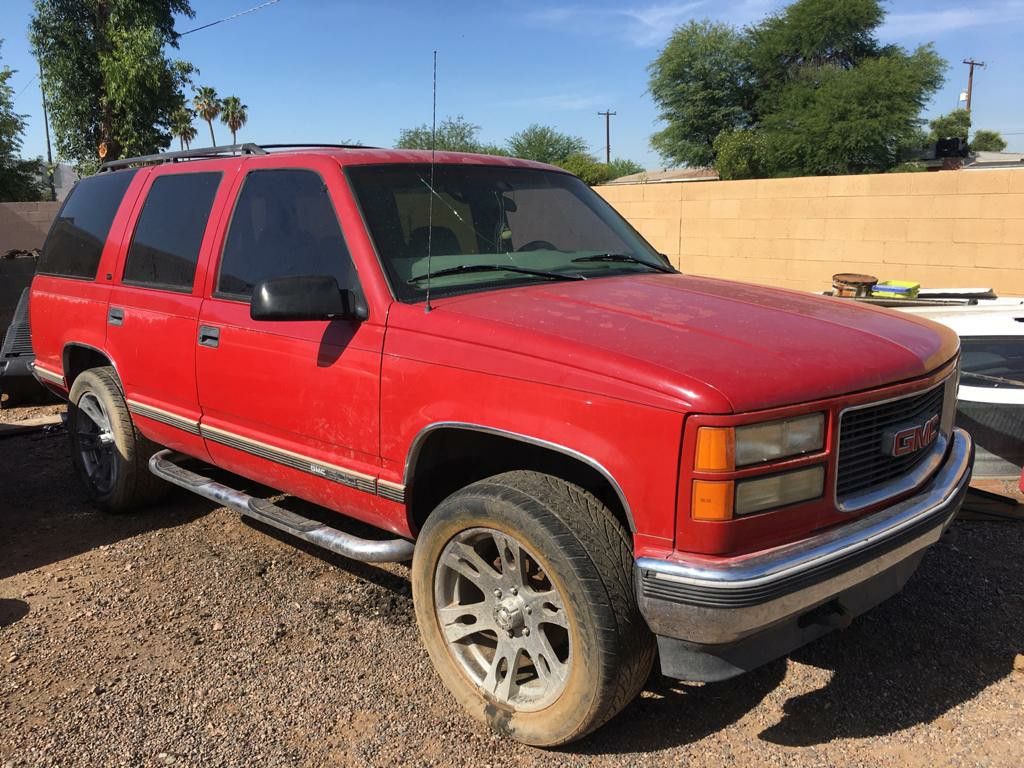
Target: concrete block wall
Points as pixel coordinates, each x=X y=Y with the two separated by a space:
x=24 y=225
x=942 y=229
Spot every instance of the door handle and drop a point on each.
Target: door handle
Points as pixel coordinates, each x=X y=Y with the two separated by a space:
x=209 y=336
x=115 y=316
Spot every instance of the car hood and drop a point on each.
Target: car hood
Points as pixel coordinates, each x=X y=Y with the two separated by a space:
x=705 y=340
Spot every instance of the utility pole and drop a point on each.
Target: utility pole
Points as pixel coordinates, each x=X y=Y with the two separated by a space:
x=970 y=79
x=607 y=114
x=46 y=125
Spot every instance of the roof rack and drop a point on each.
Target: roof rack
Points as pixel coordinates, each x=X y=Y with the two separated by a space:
x=210 y=152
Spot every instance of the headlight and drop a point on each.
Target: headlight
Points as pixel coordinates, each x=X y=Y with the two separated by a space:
x=757 y=443
x=760 y=493
x=723 y=449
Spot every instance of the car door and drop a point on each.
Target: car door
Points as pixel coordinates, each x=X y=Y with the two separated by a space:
x=153 y=315
x=292 y=404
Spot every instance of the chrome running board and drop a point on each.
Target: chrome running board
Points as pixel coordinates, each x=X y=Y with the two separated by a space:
x=163 y=465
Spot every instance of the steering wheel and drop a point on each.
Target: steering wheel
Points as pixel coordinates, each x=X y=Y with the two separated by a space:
x=537 y=245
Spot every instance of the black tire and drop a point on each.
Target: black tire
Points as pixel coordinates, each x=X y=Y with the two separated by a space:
x=129 y=483
x=587 y=556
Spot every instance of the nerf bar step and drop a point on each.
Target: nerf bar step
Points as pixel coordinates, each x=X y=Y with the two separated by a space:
x=163 y=465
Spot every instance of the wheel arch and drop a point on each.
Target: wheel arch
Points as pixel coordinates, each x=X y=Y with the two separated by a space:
x=77 y=357
x=455 y=454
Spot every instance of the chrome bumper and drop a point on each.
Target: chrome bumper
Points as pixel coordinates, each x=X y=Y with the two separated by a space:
x=709 y=602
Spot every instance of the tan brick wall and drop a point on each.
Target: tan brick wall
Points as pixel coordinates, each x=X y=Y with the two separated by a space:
x=950 y=228
x=24 y=225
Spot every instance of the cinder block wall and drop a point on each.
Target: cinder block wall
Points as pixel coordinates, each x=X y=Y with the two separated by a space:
x=24 y=225
x=942 y=229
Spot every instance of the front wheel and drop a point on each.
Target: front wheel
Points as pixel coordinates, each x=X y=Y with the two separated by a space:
x=523 y=587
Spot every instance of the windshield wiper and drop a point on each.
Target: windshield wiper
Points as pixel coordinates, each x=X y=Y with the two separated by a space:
x=623 y=257
x=465 y=268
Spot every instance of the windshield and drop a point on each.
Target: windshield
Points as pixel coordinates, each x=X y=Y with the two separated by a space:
x=540 y=225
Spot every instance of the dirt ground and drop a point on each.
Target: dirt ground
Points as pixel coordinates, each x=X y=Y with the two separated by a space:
x=183 y=635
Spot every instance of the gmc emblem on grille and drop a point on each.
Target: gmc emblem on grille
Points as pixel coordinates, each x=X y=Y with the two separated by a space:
x=907 y=440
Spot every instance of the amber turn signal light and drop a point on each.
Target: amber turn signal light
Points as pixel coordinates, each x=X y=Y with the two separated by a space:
x=716 y=449
x=712 y=500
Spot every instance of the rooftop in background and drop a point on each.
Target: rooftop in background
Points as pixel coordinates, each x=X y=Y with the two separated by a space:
x=981 y=160
x=672 y=174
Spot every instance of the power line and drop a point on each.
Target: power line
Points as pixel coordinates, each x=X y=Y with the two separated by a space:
x=970 y=79
x=255 y=8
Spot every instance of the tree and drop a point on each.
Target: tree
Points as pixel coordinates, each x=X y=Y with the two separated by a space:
x=700 y=82
x=809 y=90
x=545 y=144
x=620 y=167
x=207 y=106
x=987 y=141
x=955 y=125
x=110 y=86
x=19 y=179
x=182 y=128
x=454 y=134
x=586 y=167
x=234 y=115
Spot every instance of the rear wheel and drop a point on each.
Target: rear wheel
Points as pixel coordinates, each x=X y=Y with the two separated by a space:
x=110 y=454
x=523 y=587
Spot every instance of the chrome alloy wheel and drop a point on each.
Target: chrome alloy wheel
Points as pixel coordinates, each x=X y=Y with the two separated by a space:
x=95 y=439
x=503 y=619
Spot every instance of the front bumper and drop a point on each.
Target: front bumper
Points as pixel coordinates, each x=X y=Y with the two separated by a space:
x=718 y=618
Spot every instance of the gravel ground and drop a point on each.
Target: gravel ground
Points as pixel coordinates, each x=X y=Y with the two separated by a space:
x=182 y=635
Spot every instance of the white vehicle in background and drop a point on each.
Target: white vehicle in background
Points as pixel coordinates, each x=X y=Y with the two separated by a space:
x=990 y=400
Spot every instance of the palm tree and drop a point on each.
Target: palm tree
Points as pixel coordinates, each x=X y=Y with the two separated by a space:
x=234 y=114
x=181 y=126
x=207 y=105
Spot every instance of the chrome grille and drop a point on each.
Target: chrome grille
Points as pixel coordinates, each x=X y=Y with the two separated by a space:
x=862 y=463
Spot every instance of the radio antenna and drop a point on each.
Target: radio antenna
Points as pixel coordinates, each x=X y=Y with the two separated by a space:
x=430 y=205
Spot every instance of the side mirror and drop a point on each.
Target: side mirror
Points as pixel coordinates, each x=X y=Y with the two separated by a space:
x=308 y=297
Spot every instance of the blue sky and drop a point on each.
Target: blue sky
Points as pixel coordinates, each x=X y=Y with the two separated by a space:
x=312 y=70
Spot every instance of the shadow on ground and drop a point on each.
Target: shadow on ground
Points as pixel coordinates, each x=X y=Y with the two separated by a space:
x=45 y=516
x=953 y=632
x=12 y=611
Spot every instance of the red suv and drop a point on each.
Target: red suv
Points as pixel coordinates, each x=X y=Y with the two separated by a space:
x=590 y=458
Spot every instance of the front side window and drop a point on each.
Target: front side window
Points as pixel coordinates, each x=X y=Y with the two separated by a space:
x=165 y=247
x=283 y=226
x=75 y=243
x=490 y=227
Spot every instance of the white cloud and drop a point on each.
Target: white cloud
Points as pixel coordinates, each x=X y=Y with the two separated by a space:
x=935 y=23
x=558 y=101
x=642 y=25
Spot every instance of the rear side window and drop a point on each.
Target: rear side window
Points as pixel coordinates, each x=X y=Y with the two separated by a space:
x=76 y=239
x=283 y=226
x=165 y=246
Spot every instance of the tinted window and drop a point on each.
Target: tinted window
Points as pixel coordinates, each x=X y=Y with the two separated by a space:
x=283 y=226
x=165 y=246
x=76 y=239
x=478 y=218
x=996 y=362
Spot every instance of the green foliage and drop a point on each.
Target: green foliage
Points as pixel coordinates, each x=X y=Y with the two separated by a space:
x=586 y=167
x=620 y=167
x=740 y=155
x=701 y=85
x=840 y=121
x=19 y=179
x=207 y=106
x=957 y=124
x=106 y=75
x=988 y=141
x=544 y=144
x=808 y=91
x=182 y=128
x=454 y=134
x=234 y=115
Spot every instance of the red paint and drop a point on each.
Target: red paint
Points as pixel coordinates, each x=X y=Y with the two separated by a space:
x=621 y=369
